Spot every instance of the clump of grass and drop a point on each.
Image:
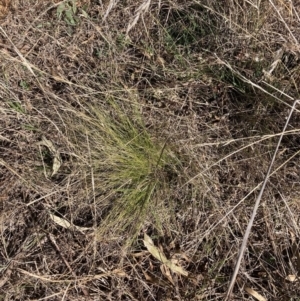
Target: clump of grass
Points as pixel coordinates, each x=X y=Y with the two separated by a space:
x=131 y=169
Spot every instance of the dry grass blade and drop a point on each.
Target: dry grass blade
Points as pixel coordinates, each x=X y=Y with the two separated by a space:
x=112 y=4
x=53 y=241
x=118 y=273
x=255 y=294
x=23 y=59
x=257 y=85
x=140 y=11
x=55 y=154
x=284 y=22
x=65 y=224
x=291 y=278
x=155 y=252
x=295 y=246
x=257 y=202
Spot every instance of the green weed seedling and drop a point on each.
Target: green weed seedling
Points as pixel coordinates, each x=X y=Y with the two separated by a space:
x=67 y=11
x=24 y=84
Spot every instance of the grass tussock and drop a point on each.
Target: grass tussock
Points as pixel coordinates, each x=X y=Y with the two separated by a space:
x=161 y=118
x=131 y=171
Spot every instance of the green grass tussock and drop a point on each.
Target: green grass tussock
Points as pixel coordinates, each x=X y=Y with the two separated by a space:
x=131 y=168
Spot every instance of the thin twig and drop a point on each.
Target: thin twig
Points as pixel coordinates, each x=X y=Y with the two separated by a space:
x=248 y=230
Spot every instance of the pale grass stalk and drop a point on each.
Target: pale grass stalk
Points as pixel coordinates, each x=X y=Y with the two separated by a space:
x=248 y=81
x=111 y=5
x=295 y=11
x=140 y=11
x=230 y=141
x=283 y=21
x=252 y=4
x=293 y=219
x=94 y=196
x=232 y=153
x=65 y=292
x=257 y=203
x=24 y=61
x=229 y=21
x=220 y=221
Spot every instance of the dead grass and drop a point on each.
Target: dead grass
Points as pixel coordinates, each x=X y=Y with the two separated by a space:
x=163 y=116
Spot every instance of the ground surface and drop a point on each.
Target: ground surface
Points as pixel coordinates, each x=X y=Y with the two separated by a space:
x=124 y=121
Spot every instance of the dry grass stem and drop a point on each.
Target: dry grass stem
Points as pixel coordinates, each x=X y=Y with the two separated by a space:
x=134 y=140
x=255 y=208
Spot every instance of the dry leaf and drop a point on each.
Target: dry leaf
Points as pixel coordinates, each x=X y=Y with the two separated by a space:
x=291 y=278
x=176 y=269
x=166 y=272
x=65 y=224
x=54 y=153
x=119 y=272
x=154 y=280
x=148 y=242
x=255 y=294
x=139 y=254
x=149 y=278
x=155 y=252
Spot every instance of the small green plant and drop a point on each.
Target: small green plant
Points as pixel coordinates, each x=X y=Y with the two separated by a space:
x=67 y=11
x=16 y=106
x=131 y=169
x=186 y=28
x=122 y=41
x=24 y=84
x=30 y=127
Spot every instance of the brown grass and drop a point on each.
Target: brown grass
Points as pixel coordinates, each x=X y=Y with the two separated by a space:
x=209 y=84
x=4 y=6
